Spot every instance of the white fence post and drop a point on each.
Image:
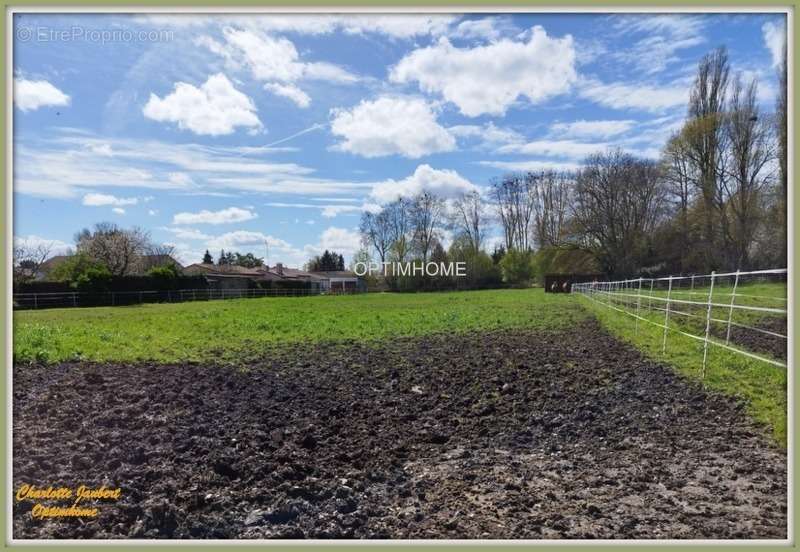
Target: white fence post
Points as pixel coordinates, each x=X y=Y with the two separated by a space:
x=708 y=322
x=650 y=297
x=638 y=304
x=666 y=319
x=730 y=311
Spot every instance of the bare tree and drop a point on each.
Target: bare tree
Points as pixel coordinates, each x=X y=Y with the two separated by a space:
x=118 y=249
x=28 y=259
x=781 y=123
x=680 y=177
x=398 y=215
x=750 y=151
x=550 y=195
x=618 y=202
x=426 y=215
x=469 y=218
x=513 y=201
x=377 y=232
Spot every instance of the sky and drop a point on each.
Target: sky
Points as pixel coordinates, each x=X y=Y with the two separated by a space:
x=273 y=133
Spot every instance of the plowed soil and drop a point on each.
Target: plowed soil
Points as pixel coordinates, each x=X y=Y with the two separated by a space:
x=493 y=435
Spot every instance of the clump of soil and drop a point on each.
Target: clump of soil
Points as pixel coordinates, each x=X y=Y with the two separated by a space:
x=491 y=435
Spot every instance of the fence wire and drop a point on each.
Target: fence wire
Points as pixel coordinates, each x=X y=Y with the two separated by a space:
x=722 y=310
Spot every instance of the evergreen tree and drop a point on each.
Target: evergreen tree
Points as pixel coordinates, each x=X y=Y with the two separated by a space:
x=223 y=258
x=207 y=258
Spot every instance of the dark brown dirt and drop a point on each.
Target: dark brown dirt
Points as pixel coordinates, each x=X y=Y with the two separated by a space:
x=497 y=435
x=760 y=342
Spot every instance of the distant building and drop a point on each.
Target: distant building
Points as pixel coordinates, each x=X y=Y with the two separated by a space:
x=278 y=276
x=340 y=280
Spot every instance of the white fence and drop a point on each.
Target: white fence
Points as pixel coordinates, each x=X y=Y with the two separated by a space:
x=743 y=312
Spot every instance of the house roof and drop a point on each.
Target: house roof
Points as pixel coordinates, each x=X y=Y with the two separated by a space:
x=260 y=273
x=52 y=262
x=293 y=273
x=158 y=260
x=335 y=274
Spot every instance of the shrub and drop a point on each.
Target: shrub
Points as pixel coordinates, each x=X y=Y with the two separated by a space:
x=517 y=267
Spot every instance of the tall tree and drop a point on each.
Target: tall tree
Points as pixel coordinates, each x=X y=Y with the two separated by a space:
x=469 y=218
x=703 y=134
x=426 y=214
x=398 y=214
x=618 y=202
x=750 y=151
x=550 y=197
x=207 y=258
x=680 y=176
x=377 y=232
x=514 y=203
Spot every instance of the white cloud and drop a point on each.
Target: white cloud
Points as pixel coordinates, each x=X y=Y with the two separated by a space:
x=489 y=28
x=444 y=183
x=101 y=149
x=341 y=240
x=555 y=148
x=100 y=200
x=290 y=91
x=488 y=79
x=180 y=179
x=56 y=247
x=244 y=238
x=188 y=233
x=224 y=216
x=216 y=108
x=403 y=26
x=390 y=125
x=533 y=165
x=644 y=97
x=118 y=210
x=30 y=95
x=271 y=58
x=592 y=129
x=775 y=41
x=329 y=211
x=489 y=135
x=152 y=212
x=666 y=34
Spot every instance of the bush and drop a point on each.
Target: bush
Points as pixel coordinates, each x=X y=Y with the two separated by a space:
x=517 y=267
x=163 y=272
x=96 y=278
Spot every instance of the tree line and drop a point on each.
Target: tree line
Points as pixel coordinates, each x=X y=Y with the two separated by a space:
x=714 y=200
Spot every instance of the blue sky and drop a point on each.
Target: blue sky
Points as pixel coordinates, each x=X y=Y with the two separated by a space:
x=217 y=131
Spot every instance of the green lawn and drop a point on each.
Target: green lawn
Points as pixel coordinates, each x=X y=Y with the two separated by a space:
x=242 y=330
x=238 y=330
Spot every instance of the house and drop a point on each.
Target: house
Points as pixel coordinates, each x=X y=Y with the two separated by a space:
x=341 y=281
x=240 y=277
x=229 y=276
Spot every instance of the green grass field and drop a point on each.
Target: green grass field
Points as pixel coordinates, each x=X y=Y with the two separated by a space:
x=242 y=330
x=238 y=330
